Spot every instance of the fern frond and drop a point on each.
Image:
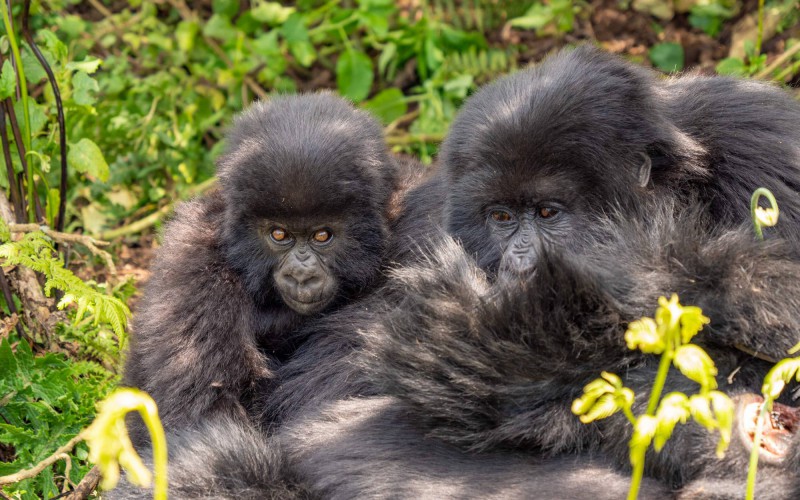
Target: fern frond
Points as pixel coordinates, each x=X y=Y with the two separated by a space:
x=35 y=251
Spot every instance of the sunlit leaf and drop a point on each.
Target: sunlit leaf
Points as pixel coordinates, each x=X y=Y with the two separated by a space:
x=354 y=75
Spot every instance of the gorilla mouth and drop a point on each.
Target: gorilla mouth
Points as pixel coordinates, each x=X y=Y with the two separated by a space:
x=305 y=306
x=777 y=431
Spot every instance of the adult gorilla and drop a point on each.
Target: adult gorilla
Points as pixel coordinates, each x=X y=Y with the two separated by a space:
x=551 y=176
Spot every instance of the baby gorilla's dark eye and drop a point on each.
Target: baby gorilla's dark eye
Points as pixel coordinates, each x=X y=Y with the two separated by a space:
x=547 y=212
x=501 y=215
x=322 y=236
x=278 y=234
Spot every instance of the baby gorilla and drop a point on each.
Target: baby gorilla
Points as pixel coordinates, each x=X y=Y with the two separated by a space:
x=298 y=227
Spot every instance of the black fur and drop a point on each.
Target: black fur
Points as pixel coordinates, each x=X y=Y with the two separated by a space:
x=211 y=325
x=491 y=367
x=487 y=369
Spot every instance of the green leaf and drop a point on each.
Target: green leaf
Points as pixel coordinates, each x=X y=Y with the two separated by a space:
x=272 y=13
x=86 y=157
x=294 y=29
x=667 y=56
x=53 y=44
x=303 y=52
x=84 y=88
x=220 y=28
x=731 y=66
x=37 y=114
x=354 y=75
x=51 y=209
x=89 y=65
x=696 y=365
x=226 y=8
x=33 y=68
x=185 y=35
x=8 y=364
x=387 y=56
x=8 y=80
x=388 y=105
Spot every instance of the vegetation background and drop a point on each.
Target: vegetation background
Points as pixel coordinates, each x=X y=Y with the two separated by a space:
x=146 y=89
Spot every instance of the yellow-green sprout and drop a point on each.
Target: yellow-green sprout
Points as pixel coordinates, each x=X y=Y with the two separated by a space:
x=669 y=334
x=110 y=445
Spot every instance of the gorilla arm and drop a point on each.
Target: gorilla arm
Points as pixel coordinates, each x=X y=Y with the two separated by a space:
x=209 y=355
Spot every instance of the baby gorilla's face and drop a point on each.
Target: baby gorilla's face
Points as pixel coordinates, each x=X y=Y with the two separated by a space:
x=303 y=274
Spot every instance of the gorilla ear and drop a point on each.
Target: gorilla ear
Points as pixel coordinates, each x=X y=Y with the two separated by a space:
x=643 y=174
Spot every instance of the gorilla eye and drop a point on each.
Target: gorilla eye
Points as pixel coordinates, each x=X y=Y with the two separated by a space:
x=278 y=235
x=547 y=212
x=500 y=215
x=322 y=236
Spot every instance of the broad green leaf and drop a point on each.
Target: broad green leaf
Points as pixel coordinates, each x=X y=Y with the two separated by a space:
x=354 y=75
x=387 y=56
x=34 y=72
x=89 y=65
x=84 y=89
x=294 y=29
x=225 y=8
x=220 y=28
x=185 y=35
x=731 y=66
x=53 y=44
x=8 y=364
x=86 y=157
x=37 y=114
x=272 y=13
x=667 y=57
x=8 y=80
x=388 y=105
x=303 y=52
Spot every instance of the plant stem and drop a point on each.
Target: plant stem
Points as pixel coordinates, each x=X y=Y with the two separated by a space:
x=760 y=35
x=23 y=89
x=636 y=478
x=661 y=378
x=150 y=416
x=753 y=467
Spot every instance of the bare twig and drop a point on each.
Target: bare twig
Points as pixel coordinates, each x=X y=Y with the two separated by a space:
x=407 y=139
x=144 y=223
x=788 y=54
x=47 y=462
x=60 y=237
x=101 y=8
x=87 y=485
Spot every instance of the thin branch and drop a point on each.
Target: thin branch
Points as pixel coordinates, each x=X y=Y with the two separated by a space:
x=778 y=62
x=60 y=237
x=62 y=127
x=408 y=139
x=150 y=220
x=47 y=462
x=87 y=485
x=17 y=198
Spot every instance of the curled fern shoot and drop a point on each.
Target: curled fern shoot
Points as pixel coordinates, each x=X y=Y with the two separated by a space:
x=763 y=217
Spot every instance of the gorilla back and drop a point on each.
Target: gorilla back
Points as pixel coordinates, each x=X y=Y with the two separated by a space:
x=298 y=227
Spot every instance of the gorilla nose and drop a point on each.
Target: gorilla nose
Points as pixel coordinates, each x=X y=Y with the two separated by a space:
x=304 y=277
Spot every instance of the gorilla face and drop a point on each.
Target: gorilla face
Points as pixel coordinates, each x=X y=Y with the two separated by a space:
x=303 y=274
x=306 y=182
x=533 y=157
